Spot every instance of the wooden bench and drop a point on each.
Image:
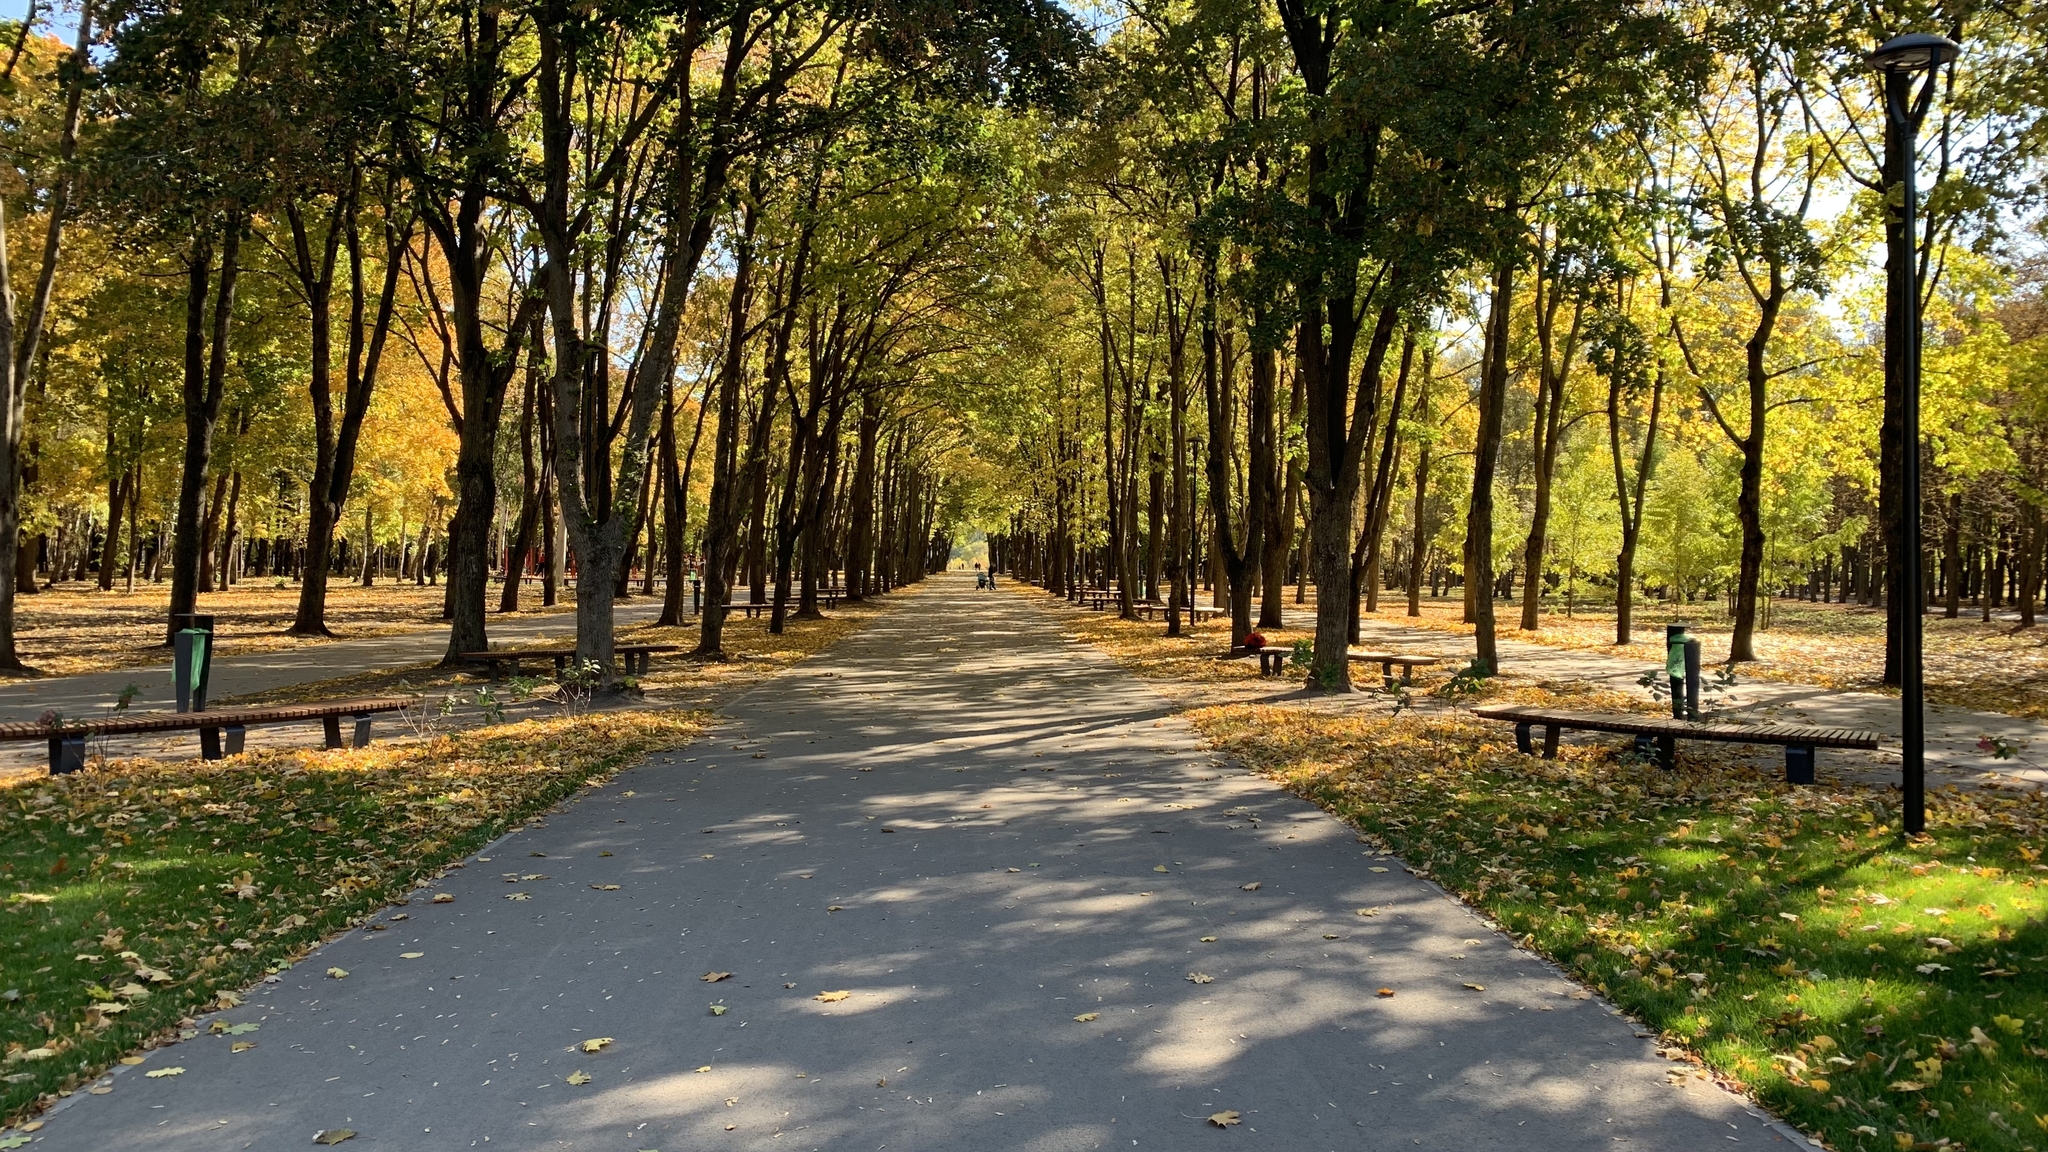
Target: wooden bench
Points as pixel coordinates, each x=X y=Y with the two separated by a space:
x=1272 y=660
x=67 y=737
x=1146 y=608
x=1663 y=733
x=1387 y=661
x=637 y=657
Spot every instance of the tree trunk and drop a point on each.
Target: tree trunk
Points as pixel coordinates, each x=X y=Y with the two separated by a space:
x=1486 y=452
x=206 y=364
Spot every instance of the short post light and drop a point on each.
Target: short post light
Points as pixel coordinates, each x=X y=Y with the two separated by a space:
x=1903 y=60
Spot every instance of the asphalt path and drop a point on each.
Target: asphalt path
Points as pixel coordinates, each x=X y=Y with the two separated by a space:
x=976 y=888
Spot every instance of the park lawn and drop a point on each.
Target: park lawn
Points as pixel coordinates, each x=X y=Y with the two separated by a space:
x=1804 y=913
x=143 y=893
x=1993 y=666
x=1883 y=993
x=75 y=628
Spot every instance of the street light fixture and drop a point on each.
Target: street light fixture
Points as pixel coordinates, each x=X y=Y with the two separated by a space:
x=1902 y=59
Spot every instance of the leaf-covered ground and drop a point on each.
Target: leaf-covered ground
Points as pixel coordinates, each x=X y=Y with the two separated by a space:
x=1995 y=666
x=1881 y=993
x=142 y=893
x=76 y=628
x=139 y=893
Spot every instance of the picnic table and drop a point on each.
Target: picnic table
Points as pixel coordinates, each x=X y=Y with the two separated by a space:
x=1663 y=733
x=1388 y=660
x=221 y=731
x=637 y=657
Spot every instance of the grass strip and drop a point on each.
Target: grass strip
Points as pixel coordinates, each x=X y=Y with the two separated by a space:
x=1886 y=994
x=142 y=893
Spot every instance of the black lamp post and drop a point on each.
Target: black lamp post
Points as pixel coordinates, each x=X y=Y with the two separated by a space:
x=1902 y=59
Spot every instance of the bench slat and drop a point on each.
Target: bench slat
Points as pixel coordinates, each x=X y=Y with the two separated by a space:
x=216 y=718
x=1682 y=729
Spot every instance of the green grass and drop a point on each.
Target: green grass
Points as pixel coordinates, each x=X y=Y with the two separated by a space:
x=1882 y=993
x=140 y=894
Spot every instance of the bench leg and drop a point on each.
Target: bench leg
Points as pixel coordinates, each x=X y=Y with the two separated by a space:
x=561 y=662
x=236 y=737
x=1667 y=751
x=67 y=754
x=362 y=732
x=209 y=743
x=1550 y=741
x=1522 y=744
x=1799 y=763
x=331 y=725
x=1387 y=675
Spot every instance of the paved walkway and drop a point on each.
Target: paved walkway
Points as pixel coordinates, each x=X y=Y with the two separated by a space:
x=965 y=834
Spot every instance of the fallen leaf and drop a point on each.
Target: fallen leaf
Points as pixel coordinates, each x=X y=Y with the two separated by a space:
x=518 y=895
x=718 y=1009
x=596 y=1043
x=337 y=973
x=1208 y=939
x=131 y=1061
x=834 y=908
x=531 y=876
x=577 y=1077
x=240 y=1029
x=1376 y=868
x=160 y=1073
x=1226 y=1118
x=715 y=977
x=705 y=1068
x=410 y=955
x=1386 y=992
x=1200 y=978
x=1475 y=987
x=443 y=898
x=14 y=1141
x=1159 y=867
x=1251 y=887
x=1087 y=1017
x=1368 y=911
x=831 y=997
x=333 y=1135
x=1329 y=936
x=606 y=887
x=241 y=1045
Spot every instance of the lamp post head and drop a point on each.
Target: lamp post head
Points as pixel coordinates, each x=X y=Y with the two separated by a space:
x=1914 y=52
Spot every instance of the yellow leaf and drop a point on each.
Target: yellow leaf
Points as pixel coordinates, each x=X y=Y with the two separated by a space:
x=1251 y=887
x=410 y=955
x=241 y=1045
x=1475 y=987
x=1200 y=978
x=332 y=1135
x=595 y=1044
x=1208 y=939
x=443 y=898
x=718 y=1009
x=1386 y=992
x=1226 y=1118
x=1817 y=1084
x=337 y=973
x=705 y=1068
x=160 y=1073
x=131 y=1061
x=715 y=977
x=1159 y=867
x=578 y=1077
x=1087 y=1017
x=831 y=997
x=606 y=887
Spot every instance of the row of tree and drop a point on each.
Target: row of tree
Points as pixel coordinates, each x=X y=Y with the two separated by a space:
x=1548 y=297
x=717 y=263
